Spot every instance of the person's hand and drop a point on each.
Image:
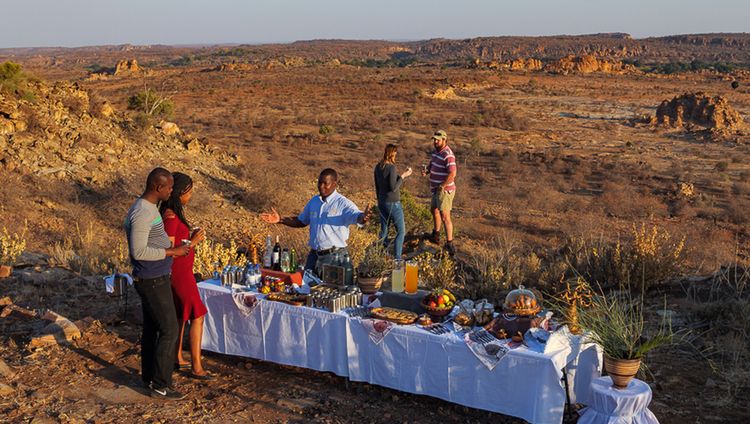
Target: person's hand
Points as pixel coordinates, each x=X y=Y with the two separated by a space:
x=271 y=217
x=407 y=173
x=366 y=214
x=198 y=236
x=425 y=171
x=182 y=250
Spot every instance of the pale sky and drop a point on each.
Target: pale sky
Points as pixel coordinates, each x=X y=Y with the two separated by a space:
x=70 y=23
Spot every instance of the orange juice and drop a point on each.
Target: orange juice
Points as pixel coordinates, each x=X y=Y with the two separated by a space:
x=411 y=277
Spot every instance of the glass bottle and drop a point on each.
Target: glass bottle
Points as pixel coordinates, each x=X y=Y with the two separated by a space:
x=285 y=260
x=268 y=255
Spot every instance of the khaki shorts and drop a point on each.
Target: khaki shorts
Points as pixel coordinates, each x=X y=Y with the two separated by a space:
x=442 y=201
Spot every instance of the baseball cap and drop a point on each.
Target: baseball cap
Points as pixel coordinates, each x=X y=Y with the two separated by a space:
x=440 y=135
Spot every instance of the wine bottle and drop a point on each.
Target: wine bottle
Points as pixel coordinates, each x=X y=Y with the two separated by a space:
x=276 y=259
x=348 y=270
x=293 y=260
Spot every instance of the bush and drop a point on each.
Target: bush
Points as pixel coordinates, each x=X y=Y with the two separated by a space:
x=88 y=254
x=212 y=256
x=151 y=103
x=325 y=130
x=649 y=257
x=417 y=216
x=11 y=246
x=13 y=80
x=437 y=271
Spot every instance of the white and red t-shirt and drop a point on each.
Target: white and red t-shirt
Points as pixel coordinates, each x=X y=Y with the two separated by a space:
x=441 y=164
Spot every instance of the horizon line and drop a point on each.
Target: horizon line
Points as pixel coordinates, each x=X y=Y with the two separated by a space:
x=262 y=43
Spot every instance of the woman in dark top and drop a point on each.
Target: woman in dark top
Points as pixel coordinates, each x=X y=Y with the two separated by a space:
x=388 y=188
x=184 y=288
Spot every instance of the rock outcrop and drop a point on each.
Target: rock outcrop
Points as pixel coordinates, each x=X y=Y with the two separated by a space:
x=127 y=67
x=713 y=113
x=529 y=64
x=587 y=64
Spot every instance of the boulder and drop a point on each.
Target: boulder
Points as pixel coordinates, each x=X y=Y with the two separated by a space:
x=59 y=331
x=169 y=128
x=712 y=113
x=106 y=109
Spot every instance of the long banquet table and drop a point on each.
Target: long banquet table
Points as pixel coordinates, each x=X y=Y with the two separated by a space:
x=525 y=383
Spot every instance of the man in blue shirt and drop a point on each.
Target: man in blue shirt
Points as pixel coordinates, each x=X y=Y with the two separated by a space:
x=328 y=215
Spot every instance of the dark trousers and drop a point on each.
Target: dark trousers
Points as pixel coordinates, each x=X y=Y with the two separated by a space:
x=160 y=331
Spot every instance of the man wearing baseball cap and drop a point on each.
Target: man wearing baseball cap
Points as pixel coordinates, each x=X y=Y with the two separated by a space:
x=442 y=174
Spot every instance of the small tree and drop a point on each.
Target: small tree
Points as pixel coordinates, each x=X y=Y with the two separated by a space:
x=152 y=103
x=13 y=80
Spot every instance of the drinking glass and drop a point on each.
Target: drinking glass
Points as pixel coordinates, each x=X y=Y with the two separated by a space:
x=411 y=277
x=397 y=276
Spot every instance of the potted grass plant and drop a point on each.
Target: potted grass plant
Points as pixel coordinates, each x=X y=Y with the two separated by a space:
x=11 y=247
x=373 y=267
x=617 y=323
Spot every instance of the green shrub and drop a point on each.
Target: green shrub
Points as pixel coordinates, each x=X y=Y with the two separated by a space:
x=417 y=215
x=151 y=103
x=13 y=80
x=325 y=130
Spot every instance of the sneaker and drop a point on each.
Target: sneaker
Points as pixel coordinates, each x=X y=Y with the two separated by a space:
x=450 y=249
x=435 y=237
x=165 y=393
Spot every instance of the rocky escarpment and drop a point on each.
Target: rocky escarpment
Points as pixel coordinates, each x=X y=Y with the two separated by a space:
x=570 y=64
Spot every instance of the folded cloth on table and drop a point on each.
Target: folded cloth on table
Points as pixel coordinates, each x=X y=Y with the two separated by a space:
x=245 y=302
x=489 y=353
x=536 y=339
x=109 y=281
x=310 y=279
x=377 y=329
x=559 y=339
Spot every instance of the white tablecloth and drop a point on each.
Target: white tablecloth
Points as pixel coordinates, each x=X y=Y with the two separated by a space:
x=276 y=332
x=525 y=383
x=608 y=405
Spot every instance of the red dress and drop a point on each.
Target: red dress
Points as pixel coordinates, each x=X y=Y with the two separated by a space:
x=187 y=301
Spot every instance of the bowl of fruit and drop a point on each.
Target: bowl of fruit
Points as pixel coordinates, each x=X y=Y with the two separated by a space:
x=439 y=303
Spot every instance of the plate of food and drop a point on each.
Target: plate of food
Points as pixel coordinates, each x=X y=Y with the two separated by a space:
x=397 y=316
x=289 y=298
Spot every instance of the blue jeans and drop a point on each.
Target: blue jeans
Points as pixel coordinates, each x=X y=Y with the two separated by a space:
x=392 y=212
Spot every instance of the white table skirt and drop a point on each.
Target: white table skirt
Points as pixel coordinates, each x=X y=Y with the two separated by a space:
x=275 y=332
x=524 y=384
x=618 y=406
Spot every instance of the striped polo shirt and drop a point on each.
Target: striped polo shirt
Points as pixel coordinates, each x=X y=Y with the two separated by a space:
x=441 y=164
x=147 y=240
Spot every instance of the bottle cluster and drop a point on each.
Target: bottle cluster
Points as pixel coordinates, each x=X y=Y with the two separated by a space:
x=278 y=258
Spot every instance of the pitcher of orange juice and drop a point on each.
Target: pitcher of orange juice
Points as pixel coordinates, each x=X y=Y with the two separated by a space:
x=412 y=276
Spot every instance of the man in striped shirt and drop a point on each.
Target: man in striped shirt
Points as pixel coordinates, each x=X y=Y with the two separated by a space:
x=442 y=173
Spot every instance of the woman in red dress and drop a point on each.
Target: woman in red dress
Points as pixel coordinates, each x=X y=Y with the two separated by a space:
x=184 y=287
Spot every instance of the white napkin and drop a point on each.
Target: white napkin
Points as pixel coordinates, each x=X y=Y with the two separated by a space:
x=377 y=329
x=245 y=302
x=109 y=281
x=482 y=351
